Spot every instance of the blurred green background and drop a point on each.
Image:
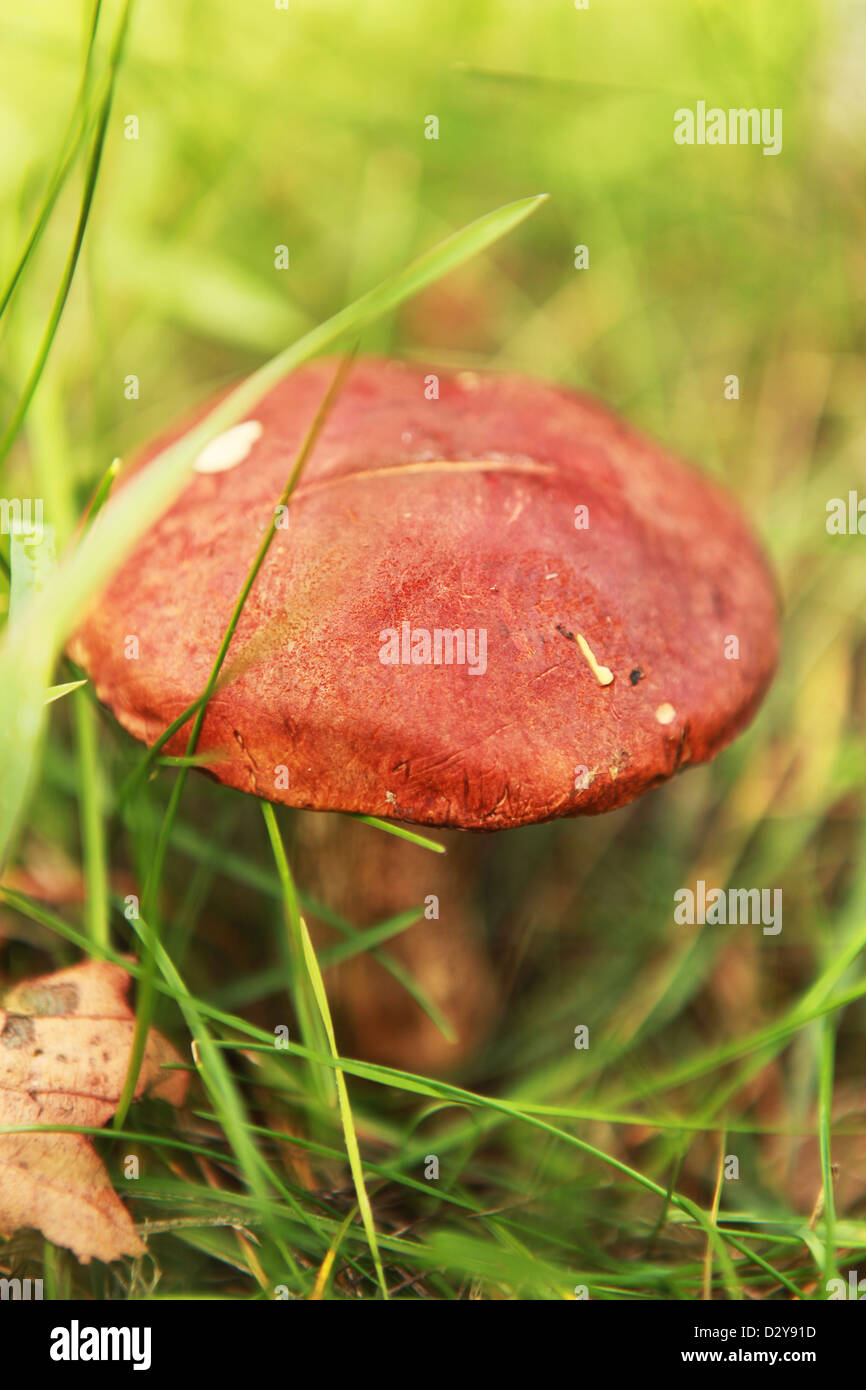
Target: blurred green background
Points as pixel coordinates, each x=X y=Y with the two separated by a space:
x=259 y=127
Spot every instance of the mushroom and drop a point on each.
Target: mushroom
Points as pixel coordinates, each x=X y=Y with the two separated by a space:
x=491 y=602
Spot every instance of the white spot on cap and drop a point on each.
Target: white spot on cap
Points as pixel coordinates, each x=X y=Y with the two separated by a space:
x=229 y=448
x=666 y=714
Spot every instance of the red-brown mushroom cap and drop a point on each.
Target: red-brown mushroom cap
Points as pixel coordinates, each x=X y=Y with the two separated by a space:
x=621 y=642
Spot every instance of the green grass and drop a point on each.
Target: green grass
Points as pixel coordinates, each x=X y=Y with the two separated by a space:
x=301 y=1167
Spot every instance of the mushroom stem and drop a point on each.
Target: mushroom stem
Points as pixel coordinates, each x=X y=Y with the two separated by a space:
x=368 y=876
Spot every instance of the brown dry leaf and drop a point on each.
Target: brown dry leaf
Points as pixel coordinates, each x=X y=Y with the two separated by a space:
x=65 y=1041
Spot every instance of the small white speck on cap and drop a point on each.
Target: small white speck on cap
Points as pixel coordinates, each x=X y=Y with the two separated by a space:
x=666 y=714
x=406 y=436
x=229 y=448
x=552 y=576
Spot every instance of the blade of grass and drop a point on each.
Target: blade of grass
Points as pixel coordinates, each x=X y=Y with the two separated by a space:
x=90 y=179
x=714 y=1218
x=56 y=692
x=103 y=488
x=351 y=1138
x=327 y=1264
x=317 y=985
x=306 y=1008
x=825 y=1124
x=91 y=819
x=400 y=832
x=371 y=936
x=69 y=147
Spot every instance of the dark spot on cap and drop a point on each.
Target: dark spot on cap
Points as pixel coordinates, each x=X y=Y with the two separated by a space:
x=48 y=1001
x=636 y=675
x=18 y=1031
x=565 y=632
